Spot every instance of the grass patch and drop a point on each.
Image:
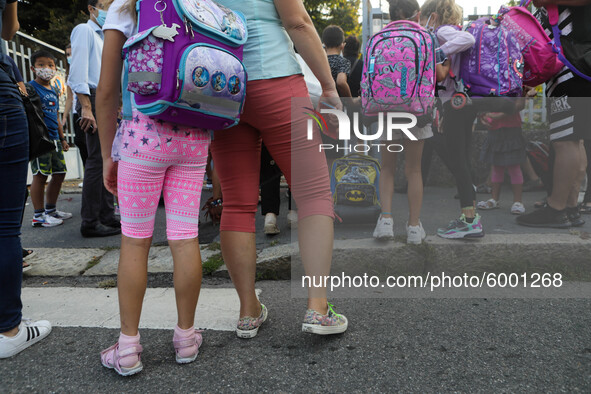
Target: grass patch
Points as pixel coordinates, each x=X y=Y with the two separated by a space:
x=107 y=284
x=94 y=261
x=267 y=275
x=213 y=246
x=274 y=242
x=212 y=264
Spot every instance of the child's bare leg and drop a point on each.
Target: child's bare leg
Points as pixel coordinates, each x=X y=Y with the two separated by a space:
x=53 y=188
x=187 y=278
x=496 y=191
x=132 y=279
x=38 y=191
x=517 y=192
x=387 y=174
x=413 y=151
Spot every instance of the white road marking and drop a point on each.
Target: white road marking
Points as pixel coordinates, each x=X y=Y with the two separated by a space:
x=217 y=309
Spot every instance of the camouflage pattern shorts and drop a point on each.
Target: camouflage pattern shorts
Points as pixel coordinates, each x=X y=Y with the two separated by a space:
x=50 y=163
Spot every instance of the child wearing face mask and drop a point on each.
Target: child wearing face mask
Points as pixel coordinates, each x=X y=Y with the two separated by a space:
x=443 y=18
x=53 y=163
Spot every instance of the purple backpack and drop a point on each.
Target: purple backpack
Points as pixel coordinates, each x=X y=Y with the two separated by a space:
x=185 y=63
x=399 y=71
x=494 y=65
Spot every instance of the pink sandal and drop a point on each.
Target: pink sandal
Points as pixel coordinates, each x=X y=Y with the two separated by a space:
x=179 y=344
x=111 y=358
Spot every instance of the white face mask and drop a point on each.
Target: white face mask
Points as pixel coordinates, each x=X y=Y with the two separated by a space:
x=45 y=73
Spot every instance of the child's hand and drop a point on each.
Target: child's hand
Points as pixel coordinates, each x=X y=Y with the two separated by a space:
x=110 y=175
x=530 y=91
x=65 y=146
x=489 y=117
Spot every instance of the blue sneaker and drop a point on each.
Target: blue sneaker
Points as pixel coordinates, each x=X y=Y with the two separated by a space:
x=460 y=228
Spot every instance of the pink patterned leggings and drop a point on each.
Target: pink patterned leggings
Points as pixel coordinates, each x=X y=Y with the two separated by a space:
x=160 y=157
x=498 y=174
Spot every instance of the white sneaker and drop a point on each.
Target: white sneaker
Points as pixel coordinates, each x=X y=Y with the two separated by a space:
x=60 y=215
x=81 y=185
x=29 y=333
x=46 y=221
x=292 y=219
x=415 y=234
x=517 y=208
x=271 y=224
x=384 y=228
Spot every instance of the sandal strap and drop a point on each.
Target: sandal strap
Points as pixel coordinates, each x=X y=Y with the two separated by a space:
x=196 y=339
x=183 y=343
x=130 y=350
x=112 y=355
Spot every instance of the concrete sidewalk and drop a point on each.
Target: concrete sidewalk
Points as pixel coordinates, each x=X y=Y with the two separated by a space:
x=61 y=251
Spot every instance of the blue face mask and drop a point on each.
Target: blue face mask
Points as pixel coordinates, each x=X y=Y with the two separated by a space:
x=102 y=17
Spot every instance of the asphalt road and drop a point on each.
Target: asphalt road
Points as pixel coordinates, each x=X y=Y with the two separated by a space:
x=473 y=345
x=409 y=345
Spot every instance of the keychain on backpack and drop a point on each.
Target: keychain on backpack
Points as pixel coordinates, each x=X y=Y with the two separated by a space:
x=163 y=31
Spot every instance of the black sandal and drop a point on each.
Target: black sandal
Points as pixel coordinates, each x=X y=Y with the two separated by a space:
x=28 y=253
x=541 y=204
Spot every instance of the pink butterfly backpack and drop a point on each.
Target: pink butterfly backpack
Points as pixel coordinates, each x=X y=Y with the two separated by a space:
x=399 y=72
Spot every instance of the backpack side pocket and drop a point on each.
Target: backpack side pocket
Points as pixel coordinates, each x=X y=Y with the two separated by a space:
x=145 y=58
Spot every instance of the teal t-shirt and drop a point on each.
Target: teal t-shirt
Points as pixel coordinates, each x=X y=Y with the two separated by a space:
x=268 y=52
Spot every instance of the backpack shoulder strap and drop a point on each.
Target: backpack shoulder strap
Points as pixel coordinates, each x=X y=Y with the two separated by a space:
x=354 y=64
x=553 y=17
x=126 y=108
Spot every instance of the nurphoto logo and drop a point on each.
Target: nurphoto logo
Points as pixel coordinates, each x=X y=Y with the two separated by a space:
x=387 y=122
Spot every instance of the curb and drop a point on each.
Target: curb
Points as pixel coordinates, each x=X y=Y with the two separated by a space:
x=569 y=254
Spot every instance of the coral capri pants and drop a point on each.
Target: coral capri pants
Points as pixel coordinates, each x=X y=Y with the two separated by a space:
x=274 y=112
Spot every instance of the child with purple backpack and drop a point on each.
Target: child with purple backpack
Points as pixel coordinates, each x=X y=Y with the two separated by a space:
x=155 y=156
x=491 y=73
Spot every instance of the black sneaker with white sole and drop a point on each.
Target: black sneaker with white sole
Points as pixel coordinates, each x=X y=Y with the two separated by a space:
x=545 y=217
x=574 y=217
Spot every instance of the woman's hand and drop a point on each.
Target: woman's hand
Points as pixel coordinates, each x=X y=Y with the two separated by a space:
x=331 y=97
x=110 y=175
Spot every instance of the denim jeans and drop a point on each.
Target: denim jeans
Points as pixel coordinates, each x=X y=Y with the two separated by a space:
x=14 y=159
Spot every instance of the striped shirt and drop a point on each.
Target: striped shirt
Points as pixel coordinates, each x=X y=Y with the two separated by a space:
x=565 y=24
